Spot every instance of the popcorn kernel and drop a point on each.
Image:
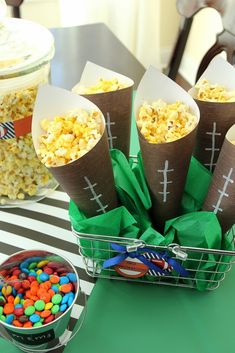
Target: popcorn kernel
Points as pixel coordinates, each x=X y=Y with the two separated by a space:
x=69 y=137
x=101 y=87
x=20 y=170
x=161 y=122
x=213 y=92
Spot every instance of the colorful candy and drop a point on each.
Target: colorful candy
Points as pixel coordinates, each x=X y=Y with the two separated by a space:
x=35 y=292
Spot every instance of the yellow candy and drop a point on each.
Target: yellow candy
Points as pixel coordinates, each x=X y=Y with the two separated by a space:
x=6 y=290
x=42 y=263
x=213 y=93
x=48 y=306
x=39 y=272
x=160 y=122
x=16 y=300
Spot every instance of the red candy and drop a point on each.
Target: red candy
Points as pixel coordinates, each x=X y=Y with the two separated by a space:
x=49 y=319
x=48 y=270
x=19 y=311
x=16 y=272
x=17 y=285
x=31 y=279
x=25 y=284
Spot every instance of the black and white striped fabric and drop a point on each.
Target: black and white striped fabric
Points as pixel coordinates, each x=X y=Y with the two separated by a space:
x=7 y=131
x=165 y=266
x=44 y=225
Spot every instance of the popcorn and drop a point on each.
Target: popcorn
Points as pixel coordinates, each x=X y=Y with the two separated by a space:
x=68 y=137
x=213 y=93
x=21 y=172
x=101 y=87
x=233 y=142
x=160 y=122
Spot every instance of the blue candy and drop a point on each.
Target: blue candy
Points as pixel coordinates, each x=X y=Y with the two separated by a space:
x=32 y=274
x=24 y=265
x=70 y=300
x=34 y=259
x=63 y=307
x=9 y=318
x=64 y=280
x=14 y=292
x=25 y=270
x=71 y=294
x=34 y=318
x=55 y=288
x=72 y=277
x=44 y=277
x=65 y=299
x=18 y=305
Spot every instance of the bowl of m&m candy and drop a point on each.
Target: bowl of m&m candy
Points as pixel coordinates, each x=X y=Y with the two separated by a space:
x=37 y=292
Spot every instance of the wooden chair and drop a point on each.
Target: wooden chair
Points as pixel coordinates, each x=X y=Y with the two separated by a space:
x=225 y=40
x=15 y=7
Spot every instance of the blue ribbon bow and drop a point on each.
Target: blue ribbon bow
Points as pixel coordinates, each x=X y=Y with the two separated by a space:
x=138 y=255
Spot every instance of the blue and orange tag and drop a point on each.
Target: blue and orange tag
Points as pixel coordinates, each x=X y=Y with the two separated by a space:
x=12 y=129
x=134 y=262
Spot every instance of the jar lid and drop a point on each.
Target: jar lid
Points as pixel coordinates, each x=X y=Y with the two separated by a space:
x=24 y=46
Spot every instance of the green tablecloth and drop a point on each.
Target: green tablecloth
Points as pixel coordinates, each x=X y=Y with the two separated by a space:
x=128 y=317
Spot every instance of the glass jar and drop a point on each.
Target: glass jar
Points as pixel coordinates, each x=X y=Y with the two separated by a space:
x=26 y=49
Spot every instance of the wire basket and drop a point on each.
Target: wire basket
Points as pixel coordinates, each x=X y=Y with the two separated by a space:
x=193 y=260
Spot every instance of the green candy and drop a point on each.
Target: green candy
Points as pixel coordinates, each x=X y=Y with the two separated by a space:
x=56 y=299
x=1 y=310
x=32 y=265
x=39 y=305
x=2 y=300
x=38 y=279
x=55 y=309
x=3 y=318
x=30 y=310
x=37 y=324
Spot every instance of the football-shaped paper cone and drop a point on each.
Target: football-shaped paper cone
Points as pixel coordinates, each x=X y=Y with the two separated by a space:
x=166 y=164
x=115 y=105
x=215 y=117
x=166 y=167
x=88 y=180
x=221 y=195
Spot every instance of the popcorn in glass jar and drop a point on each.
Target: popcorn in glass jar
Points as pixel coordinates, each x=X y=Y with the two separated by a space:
x=23 y=66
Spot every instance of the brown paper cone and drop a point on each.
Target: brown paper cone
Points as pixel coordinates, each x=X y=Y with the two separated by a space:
x=221 y=195
x=88 y=180
x=216 y=118
x=115 y=106
x=165 y=165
